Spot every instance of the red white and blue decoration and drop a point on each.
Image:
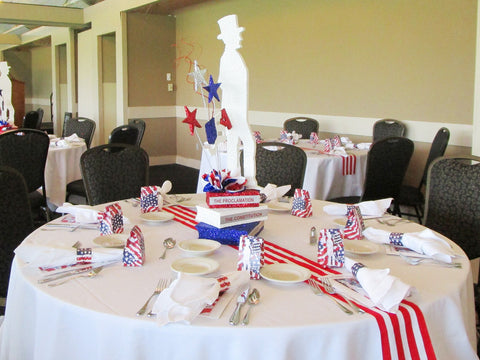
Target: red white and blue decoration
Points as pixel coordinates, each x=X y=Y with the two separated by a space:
x=134 y=251
x=221 y=181
x=191 y=120
x=149 y=199
x=211 y=131
x=331 y=252
x=111 y=220
x=84 y=255
x=355 y=225
x=251 y=255
x=302 y=204
x=314 y=138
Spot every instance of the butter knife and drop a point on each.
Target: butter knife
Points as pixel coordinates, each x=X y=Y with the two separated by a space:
x=235 y=318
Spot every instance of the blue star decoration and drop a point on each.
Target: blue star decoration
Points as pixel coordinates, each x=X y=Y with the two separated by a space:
x=211 y=131
x=212 y=89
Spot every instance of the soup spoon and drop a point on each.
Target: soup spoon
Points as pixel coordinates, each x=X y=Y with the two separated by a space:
x=253 y=299
x=168 y=243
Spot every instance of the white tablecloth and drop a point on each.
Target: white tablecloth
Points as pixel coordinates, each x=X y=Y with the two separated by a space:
x=324 y=178
x=95 y=318
x=62 y=167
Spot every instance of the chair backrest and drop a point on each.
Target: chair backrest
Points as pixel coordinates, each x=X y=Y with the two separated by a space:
x=40 y=115
x=15 y=219
x=26 y=151
x=114 y=172
x=301 y=125
x=124 y=134
x=280 y=164
x=83 y=127
x=453 y=201
x=388 y=127
x=32 y=120
x=439 y=145
x=140 y=125
x=387 y=163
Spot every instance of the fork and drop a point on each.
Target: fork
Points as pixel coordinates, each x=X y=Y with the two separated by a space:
x=331 y=290
x=161 y=285
x=417 y=260
x=318 y=291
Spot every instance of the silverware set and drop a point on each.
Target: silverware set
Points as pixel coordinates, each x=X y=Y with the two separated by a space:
x=412 y=260
x=328 y=289
x=161 y=285
x=252 y=298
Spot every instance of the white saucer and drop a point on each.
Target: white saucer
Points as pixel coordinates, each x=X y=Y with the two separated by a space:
x=111 y=241
x=284 y=273
x=195 y=265
x=360 y=247
x=156 y=216
x=199 y=247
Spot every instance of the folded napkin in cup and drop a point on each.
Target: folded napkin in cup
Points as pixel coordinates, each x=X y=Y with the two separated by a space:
x=50 y=253
x=330 y=248
x=368 y=208
x=386 y=291
x=83 y=213
x=111 y=220
x=425 y=242
x=188 y=295
x=251 y=255
x=355 y=226
x=272 y=192
x=149 y=199
x=302 y=204
x=134 y=250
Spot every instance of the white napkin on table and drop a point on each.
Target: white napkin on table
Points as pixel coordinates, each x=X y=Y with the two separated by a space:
x=424 y=242
x=364 y=146
x=188 y=295
x=57 y=252
x=386 y=291
x=74 y=138
x=272 y=192
x=367 y=208
x=83 y=213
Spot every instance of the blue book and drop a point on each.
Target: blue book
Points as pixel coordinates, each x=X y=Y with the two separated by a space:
x=229 y=235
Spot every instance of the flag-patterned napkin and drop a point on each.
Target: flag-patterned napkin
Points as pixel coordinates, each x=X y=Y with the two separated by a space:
x=330 y=248
x=354 y=228
x=425 y=242
x=302 y=204
x=314 y=138
x=258 y=137
x=149 y=199
x=111 y=220
x=250 y=255
x=134 y=251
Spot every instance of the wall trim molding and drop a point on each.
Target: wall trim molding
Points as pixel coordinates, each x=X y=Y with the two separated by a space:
x=37 y=101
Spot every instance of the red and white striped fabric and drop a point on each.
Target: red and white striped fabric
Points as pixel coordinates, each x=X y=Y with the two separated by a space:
x=404 y=335
x=349 y=165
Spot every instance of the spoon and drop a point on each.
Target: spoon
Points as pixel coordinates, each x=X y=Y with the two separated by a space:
x=168 y=243
x=253 y=299
x=91 y=274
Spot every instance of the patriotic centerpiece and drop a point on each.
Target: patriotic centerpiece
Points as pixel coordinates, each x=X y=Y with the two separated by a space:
x=327 y=145
x=134 y=251
x=336 y=141
x=330 y=248
x=149 y=199
x=314 y=138
x=111 y=220
x=302 y=204
x=355 y=225
x=251 y=255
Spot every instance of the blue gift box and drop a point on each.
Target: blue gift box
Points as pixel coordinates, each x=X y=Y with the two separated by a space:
x=228 y=235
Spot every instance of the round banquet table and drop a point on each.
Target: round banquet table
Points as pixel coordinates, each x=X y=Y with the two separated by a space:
x=95 y=318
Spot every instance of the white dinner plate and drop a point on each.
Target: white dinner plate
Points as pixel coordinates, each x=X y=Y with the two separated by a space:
x=284 y=273
x=199 y=247
x=360 y=247
x=279 y=206
x=195 y=265
x=156 y=216
x=111 y=241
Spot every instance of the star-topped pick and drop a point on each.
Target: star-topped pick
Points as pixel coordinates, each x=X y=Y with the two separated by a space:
x=191 y=119
x=198 y=76
x=225 y=120
x=212 y=89
x=211 y=131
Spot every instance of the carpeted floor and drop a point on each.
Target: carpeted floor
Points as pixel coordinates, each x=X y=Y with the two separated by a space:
x=184 y=179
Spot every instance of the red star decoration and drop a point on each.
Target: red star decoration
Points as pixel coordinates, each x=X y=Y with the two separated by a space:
x=191 y=120
x=225 y=120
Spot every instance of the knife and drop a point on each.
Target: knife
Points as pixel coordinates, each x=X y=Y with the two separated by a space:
x=235 y=318
x=84 y=269
x=313 y=235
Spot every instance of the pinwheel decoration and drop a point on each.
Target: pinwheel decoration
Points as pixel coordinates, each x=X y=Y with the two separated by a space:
x=222 y=181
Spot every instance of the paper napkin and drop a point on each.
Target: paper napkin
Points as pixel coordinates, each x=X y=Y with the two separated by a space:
x=273 y=192
x=83 y=213
x=367 y=208
x=424 y=242
x=188 y=295
x=386 y=291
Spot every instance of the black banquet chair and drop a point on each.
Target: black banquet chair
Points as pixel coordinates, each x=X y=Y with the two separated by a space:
x=413 y=197
x=280 y=164
x=114 y=172
x=301 y=125
x=32 y=120
x=125 y=134
x=15 y=221
x=26 y=151
x=140 y=125
x=452 y=201
x=387 y=128
x=387 y=163
x=83 y=127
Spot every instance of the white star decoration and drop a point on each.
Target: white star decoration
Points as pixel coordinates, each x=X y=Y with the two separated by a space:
x=198 y=76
